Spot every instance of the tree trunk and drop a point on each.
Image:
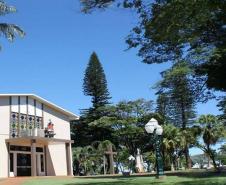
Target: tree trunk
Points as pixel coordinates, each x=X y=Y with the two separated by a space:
x=104 y=164
x=212 y=157
x=184 y=126
x=172 y=167
x=187 y=157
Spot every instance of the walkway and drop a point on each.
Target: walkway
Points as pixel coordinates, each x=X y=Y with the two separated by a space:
x=13 y=181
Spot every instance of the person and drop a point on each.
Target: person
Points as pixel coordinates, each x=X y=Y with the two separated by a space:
x=50 y=127
x=49 y=131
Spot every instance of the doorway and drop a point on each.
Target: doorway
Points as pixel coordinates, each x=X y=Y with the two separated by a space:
x=20 y=161
x=23 y=164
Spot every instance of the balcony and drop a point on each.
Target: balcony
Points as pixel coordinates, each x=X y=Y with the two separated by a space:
x=35 y=132
x=32 y=133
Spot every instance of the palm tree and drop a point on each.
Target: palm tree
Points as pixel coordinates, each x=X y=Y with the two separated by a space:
x=102 y=147
x=171 y=142
x=85 y=158
x=9 y=31
x=212 y=131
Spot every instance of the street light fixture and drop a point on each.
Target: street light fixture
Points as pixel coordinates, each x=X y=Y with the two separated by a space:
x=156 y=130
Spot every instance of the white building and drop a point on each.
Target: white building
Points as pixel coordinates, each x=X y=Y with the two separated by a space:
x=26 y=148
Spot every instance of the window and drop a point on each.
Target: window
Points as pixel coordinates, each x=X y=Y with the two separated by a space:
x=42 y=162
x=20 y=148
x=39 y=149
x=11 y=162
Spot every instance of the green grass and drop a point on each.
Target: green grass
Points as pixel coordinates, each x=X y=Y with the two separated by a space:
x=174 y=179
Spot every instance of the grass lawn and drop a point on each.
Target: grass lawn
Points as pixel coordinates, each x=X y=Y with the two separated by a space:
x=174 y=179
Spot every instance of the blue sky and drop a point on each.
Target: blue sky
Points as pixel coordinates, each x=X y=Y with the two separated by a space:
x=50 y=61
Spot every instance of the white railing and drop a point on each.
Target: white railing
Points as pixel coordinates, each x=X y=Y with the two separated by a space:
x=32 y=132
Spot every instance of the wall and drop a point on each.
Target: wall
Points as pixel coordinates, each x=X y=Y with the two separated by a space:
x=56 y=160
x=60 y=121
x=4 y=134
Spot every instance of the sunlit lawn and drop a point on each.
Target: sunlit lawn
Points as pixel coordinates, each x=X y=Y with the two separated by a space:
x=186 y=179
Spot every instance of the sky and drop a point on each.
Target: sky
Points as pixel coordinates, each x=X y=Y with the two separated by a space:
x=51 y=59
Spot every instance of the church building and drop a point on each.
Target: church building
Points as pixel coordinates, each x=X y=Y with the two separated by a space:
x=34 y=137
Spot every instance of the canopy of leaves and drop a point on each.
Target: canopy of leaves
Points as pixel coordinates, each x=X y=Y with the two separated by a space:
x=212 y=132
x=9 y=31
x=177 y=95
x=126 y=121
x=171 y=29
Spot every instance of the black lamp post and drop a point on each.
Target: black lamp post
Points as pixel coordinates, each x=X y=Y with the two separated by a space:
x=153 y=128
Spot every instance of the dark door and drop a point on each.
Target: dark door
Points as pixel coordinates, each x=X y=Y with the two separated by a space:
x=23 y=164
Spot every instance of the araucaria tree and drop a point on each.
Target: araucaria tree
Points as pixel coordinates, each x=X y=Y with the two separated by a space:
x=95 y=83
x=179 y=98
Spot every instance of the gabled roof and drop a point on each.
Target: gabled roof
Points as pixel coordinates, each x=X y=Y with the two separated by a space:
x=71 y=115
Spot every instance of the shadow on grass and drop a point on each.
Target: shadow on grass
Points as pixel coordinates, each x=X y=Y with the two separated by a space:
x=203 y=174
x=201 y=182
x=195 y=182
x=195 y=179
x=187 y=174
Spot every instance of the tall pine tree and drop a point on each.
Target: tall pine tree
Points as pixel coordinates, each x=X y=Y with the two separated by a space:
x=179 y=98
x=95 y=83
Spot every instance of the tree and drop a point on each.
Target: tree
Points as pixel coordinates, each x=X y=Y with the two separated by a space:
x=178 y=98
x=172 y=142
x=193 y=29
x=9 y=31
x=126 y=122
x=102 y=147
x=84 y=158
x=95 y=83
x=212 y=131
x=177 y=91
x=222 y=107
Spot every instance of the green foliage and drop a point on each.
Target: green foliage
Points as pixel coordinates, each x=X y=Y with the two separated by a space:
x=168 y=30
x=222 y=108
x=126 y=123
x=223 y=149
x=212 y=131
x=84 y=159
x=95 y=83
x=89 y=159
x=177 y=95
x=9 y=31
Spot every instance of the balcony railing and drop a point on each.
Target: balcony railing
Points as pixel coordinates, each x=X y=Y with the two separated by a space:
x=32 y=132
x=35 y=132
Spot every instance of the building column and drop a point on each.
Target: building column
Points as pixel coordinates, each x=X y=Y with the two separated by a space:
x=8 y=150
x=33 y=158
x=45 y=159
x=69 y=159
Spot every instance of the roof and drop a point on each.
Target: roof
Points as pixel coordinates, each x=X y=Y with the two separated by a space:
x=71 y=115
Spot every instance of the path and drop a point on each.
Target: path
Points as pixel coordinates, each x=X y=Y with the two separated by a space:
x=13 y=181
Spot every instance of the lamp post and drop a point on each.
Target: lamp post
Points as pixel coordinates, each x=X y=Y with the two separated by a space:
x=153 y=128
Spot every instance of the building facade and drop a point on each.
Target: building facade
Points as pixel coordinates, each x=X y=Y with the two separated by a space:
x=27 y=145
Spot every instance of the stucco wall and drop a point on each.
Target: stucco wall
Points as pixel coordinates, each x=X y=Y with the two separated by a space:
x=4 y=157
x=56 y=160
x=56 y=153
x=4 y=134
x=60 y=121
x=4 y=115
